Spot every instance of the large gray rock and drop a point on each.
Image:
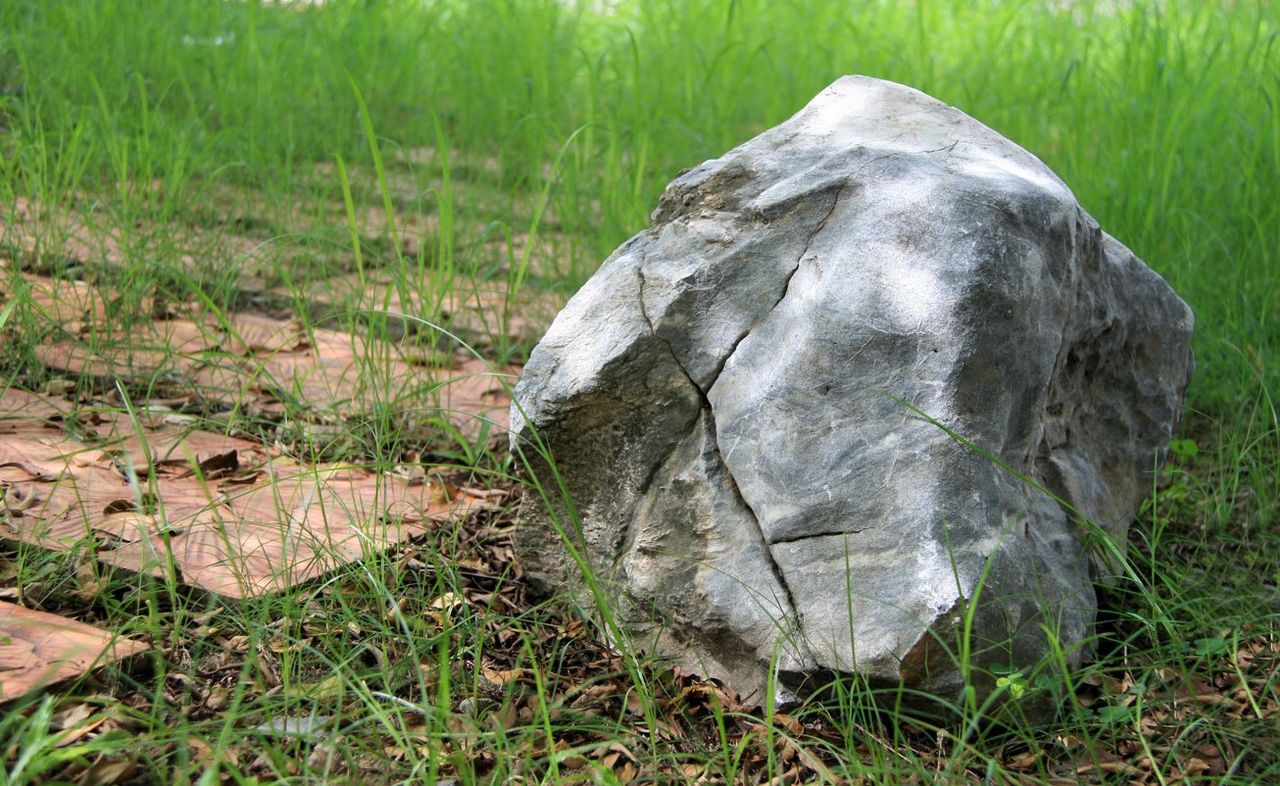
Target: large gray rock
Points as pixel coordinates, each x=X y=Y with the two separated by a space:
x=737 y=404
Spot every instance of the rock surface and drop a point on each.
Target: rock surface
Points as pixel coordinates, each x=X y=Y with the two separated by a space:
x=746 y=404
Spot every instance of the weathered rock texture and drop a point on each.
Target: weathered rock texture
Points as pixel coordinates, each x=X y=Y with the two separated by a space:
x=729 y=400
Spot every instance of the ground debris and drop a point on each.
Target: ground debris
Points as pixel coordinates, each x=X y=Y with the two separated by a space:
x=38 y=649
x=267 y=366
x=218 y=512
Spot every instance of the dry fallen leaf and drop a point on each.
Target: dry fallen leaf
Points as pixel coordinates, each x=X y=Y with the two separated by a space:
x=106 y=771
x=18 y=499
x=38 y=649
x=75 y=722
x=217 y=527
x=262 y=360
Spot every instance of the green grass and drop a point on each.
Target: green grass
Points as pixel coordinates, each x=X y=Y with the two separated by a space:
x=244 y=156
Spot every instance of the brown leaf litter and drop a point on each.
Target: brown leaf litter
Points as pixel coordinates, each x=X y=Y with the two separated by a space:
x=269 y=365
x=38 y=649
x=44 y=231
x=213 y=511
x=482 y=312
x=485 y=311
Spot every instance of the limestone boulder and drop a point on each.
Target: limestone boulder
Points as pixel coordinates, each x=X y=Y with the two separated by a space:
x=867 y=376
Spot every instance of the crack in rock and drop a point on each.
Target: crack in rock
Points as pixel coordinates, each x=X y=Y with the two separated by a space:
x=786 y=284
x=811 y=535
x=644 y=313
x=774 y=567
x=778 y=575
x=626 y=538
